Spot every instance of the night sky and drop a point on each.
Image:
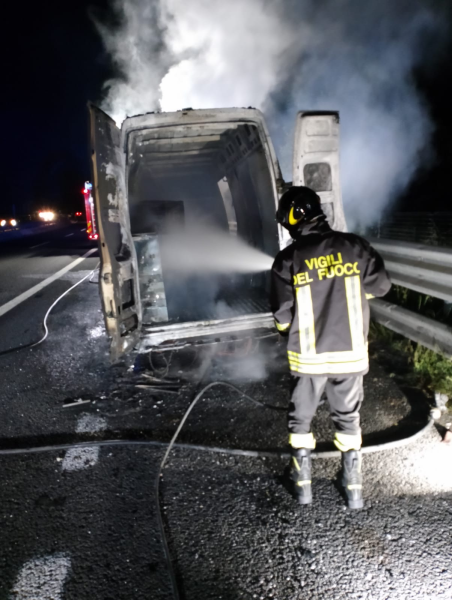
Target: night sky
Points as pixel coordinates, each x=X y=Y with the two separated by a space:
x=54 y=62
x=431 y=189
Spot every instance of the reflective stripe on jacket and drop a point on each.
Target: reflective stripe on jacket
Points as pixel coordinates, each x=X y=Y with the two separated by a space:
x=320 y=287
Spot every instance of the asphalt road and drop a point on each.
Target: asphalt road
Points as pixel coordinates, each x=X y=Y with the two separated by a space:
x=79 y=524
x=27 y=260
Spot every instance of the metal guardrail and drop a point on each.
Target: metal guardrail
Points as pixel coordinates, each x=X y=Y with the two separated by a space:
x=420 y=329
x=425 y=269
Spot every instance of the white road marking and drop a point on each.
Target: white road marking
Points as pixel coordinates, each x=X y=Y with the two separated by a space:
x=77 y=459
x=83 y=229
x=42 y=578
x=37 y=245
x=91 y=424
x=39 y=286
x=96 y=332
x=69 y=235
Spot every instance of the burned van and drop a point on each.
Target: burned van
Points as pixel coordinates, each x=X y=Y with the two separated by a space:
x=185 y=205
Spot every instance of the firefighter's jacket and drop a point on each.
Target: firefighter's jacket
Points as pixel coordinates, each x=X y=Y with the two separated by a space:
x=321 y=284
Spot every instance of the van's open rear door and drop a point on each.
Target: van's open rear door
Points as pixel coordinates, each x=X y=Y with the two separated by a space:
x=118 y=275
x=316 y=161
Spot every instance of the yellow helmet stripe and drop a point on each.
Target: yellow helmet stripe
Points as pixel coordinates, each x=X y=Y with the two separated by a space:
x=292 y=219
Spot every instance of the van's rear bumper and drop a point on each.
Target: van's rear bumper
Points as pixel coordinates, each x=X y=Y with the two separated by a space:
x=153 y=335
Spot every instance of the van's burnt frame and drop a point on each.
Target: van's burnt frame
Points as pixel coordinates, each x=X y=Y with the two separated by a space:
x=224 y=161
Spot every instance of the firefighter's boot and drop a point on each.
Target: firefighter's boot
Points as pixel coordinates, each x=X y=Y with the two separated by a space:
x=300 y=474
x=352 y=478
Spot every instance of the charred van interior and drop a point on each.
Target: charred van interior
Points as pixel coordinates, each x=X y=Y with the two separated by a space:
x=184 y=182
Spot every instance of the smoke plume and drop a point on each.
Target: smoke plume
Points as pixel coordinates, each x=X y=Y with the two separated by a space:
x=347 y=55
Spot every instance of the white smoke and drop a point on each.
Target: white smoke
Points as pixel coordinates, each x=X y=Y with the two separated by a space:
x=227 y=53
x=173 y=54
x=347 y=55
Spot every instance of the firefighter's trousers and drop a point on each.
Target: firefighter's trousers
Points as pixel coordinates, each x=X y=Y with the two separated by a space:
x=345 y=396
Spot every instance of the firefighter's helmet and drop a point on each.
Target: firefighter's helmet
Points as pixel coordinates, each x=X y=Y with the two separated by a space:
x=297 y=206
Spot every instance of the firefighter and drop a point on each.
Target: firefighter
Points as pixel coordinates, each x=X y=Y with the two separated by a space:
x=321 y=284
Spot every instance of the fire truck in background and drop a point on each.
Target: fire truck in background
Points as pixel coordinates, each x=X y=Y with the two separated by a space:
x=91 y=228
